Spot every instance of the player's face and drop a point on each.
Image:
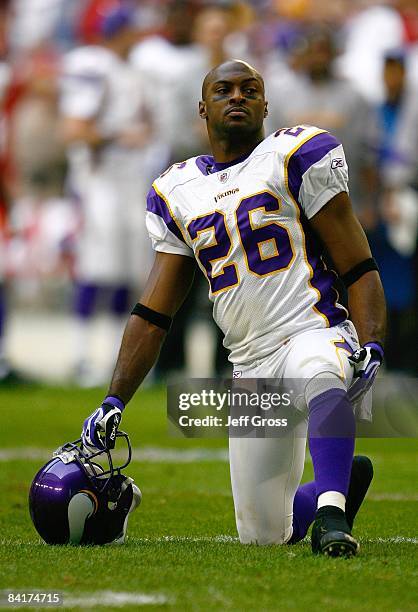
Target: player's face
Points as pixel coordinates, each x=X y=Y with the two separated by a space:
x=234 y=102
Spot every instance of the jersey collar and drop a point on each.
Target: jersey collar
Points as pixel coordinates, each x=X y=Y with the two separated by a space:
x=207 y=164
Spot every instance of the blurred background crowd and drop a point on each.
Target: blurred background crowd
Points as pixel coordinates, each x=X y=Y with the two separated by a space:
x=97 y=97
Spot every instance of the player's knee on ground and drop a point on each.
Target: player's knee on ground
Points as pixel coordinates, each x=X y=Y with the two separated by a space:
x=264 y=533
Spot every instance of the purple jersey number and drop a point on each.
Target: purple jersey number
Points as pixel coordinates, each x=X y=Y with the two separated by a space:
x=294 y=131
x=219 y=249
x=267 y=246
x=271 y=233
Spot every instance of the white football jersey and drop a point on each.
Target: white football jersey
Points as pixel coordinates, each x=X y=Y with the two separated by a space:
x=246 y=223
x=97 y=84
x=112 y=181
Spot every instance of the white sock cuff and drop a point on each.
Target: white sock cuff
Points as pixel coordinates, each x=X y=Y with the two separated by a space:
x=332 y=498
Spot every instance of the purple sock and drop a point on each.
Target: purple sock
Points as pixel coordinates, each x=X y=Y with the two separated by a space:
x=85 y=300
x=304 y=508
x=120 y=301
x=331 y=433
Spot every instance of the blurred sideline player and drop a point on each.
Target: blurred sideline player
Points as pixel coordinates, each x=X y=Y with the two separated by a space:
x=105 y=126
x=320 y=98
x=249 y=214
x=394 y=137
x=4 y=367
x=4 y=83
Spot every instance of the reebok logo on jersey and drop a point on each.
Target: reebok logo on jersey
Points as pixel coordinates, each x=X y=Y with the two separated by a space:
x=337 y=163
x=226 y=193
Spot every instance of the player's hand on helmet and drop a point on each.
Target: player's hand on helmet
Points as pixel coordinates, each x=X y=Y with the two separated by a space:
x=366 y=361
x=100 y=428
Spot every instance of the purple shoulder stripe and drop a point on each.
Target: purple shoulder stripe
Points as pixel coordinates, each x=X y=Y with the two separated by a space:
x=308 y=154
x=158 y=206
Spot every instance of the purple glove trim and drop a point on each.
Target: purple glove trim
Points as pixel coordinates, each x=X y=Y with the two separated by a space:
x=114 y=401
x=377 y=347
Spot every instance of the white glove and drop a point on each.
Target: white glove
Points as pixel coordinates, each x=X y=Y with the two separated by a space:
x=100 y=428
x=366 y=361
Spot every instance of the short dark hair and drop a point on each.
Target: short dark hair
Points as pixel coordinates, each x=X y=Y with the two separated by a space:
x=210 y=74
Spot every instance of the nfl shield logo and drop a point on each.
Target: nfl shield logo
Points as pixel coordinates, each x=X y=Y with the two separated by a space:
x=224 y=176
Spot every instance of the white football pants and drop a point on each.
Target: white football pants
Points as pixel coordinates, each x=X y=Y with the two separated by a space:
x=266 y=472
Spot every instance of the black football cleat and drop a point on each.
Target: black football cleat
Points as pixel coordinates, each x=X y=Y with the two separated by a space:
x=331 y=534
x=361 y=477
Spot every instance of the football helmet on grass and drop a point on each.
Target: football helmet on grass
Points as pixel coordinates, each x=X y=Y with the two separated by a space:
x=75 y=500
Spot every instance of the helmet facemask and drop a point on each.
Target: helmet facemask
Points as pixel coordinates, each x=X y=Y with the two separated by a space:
x=81 y=498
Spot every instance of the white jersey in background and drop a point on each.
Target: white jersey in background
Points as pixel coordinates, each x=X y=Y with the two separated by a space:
x=174 y=74
x=246 y=224
x=111 y=182
x=5 y=78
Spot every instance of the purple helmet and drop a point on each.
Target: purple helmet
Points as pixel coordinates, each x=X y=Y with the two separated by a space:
x=74 y=500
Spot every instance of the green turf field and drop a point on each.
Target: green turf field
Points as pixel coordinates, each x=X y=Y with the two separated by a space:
x=182 y=550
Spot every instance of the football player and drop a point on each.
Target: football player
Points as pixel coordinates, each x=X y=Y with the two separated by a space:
x=249 y=215
x=5 y=77
x=106 y=129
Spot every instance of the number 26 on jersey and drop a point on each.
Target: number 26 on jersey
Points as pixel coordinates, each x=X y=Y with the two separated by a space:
x=267 y=247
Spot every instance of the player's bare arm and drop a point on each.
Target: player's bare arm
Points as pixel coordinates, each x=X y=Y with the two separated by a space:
x=345 y=240
x=167 y=287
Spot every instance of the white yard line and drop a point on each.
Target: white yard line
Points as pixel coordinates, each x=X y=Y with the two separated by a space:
x=112 y=598
x=218 y=539
x=157 y=454
x=228 y=539
x=161 y=454
x=88 y=600
x=395 y=540
x=147 y=454
x=392 y=497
